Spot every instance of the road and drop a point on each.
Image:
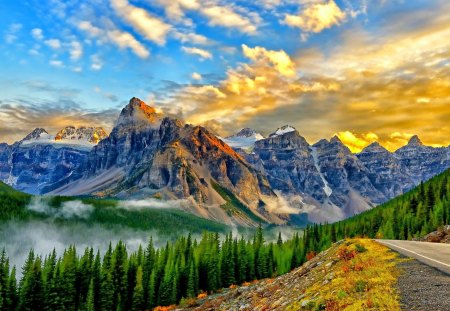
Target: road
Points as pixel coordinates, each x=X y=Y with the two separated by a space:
x=436 y=255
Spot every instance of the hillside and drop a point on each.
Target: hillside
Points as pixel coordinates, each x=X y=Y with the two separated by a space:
x=143 y=215
x=355 y=274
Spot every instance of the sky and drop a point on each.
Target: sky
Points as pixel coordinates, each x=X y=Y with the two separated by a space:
x=364 y=70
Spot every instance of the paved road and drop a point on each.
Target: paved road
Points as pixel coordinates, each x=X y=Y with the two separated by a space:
x=433 y=254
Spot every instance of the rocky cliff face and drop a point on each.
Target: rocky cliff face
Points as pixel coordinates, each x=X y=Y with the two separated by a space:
x=422 y=162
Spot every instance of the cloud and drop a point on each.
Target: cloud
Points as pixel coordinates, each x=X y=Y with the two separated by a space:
x=120 y=38
x=11 y=32
x=357 y=142
x=225 y=16
x=37 y=33
x=68 y=210
x=151 y=27
x=76 y=50
x=96 y=62
x=279 y=59
x=53 y=43
x=56 y=63
x=196 y=76
x=317 y=17
x=191 y=37
x=204 y=54
x=125 y=39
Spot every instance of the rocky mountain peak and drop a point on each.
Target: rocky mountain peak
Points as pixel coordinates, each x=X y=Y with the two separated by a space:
x=374 y=147
x=37 y=133
x=137 y=112
x=335 y=140
x=415 y=141
x=247 y=132
x=81 y=134
x=283 y=130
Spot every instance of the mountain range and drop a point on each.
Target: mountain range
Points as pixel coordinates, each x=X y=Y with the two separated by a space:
x=244 y=178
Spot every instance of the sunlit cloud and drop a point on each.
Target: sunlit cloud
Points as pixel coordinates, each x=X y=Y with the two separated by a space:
x=317 y=17
x=150 y=26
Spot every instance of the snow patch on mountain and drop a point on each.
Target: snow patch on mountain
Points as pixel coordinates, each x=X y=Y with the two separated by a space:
x=244 y=139
x=283 y=130
x=315 y=157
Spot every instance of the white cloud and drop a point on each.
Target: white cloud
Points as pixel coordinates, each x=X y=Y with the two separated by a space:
x=125 y=39
x=225 y=16
x=53 y=43
x=317 y=17
x=37 y=33
x=191 y=38
x=96 y=62
x=120 y=38
x=147 y=25
x=196 y=51
x=56 y=63
x=196 y=76
x=76 y=50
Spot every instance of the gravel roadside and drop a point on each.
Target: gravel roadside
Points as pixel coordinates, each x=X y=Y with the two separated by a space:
x=422 y=287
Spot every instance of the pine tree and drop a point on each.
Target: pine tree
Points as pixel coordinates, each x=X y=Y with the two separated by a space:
x=138 y=292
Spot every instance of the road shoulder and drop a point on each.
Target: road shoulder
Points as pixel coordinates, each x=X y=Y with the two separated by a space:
x=422 y=287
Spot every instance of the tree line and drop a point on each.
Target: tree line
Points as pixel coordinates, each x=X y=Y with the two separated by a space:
x=149 y=277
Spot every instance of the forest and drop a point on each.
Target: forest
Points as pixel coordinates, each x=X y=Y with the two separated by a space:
x=186 y=268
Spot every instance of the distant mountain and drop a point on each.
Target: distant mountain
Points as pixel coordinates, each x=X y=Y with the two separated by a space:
x=39 y=162
x=244 y=139
x=83 y=134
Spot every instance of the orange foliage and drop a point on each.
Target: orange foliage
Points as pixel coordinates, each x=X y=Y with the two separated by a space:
x=310 y=255
x=202 y=295
x=346 y=254
x=232 y=286
x=165 y=308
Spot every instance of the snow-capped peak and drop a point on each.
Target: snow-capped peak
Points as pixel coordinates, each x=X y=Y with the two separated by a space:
x=247 y=132
x=244 y=139
x=283 y=130
x=82 y=134
x=37 y=134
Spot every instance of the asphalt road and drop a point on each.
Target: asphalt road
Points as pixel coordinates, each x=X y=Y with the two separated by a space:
x=436 y=255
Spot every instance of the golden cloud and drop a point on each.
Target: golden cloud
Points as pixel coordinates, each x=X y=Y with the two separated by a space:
x=317 y=17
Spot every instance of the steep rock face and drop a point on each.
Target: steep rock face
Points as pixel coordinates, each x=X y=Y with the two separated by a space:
x=345 y=173
x=34 y=169
x=386 y=172
x=287 y=161
x=423 y=162
x=82 y=134
x=149 y=154
x=37 y=134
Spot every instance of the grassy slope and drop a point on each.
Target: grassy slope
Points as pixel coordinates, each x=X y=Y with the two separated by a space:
x=359 y=274
x=13 y=205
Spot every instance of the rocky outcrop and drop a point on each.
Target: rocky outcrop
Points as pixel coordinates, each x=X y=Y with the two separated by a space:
x=442 y=235
x=423 y=162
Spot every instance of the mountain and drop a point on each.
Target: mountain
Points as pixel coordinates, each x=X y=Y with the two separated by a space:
x=244 y=178
x=83 y=134
x=244 y=139
x=148 y=154
x=423 y=162
x=39 y=162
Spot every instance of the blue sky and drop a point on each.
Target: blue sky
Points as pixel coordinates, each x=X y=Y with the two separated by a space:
x=228 y=64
